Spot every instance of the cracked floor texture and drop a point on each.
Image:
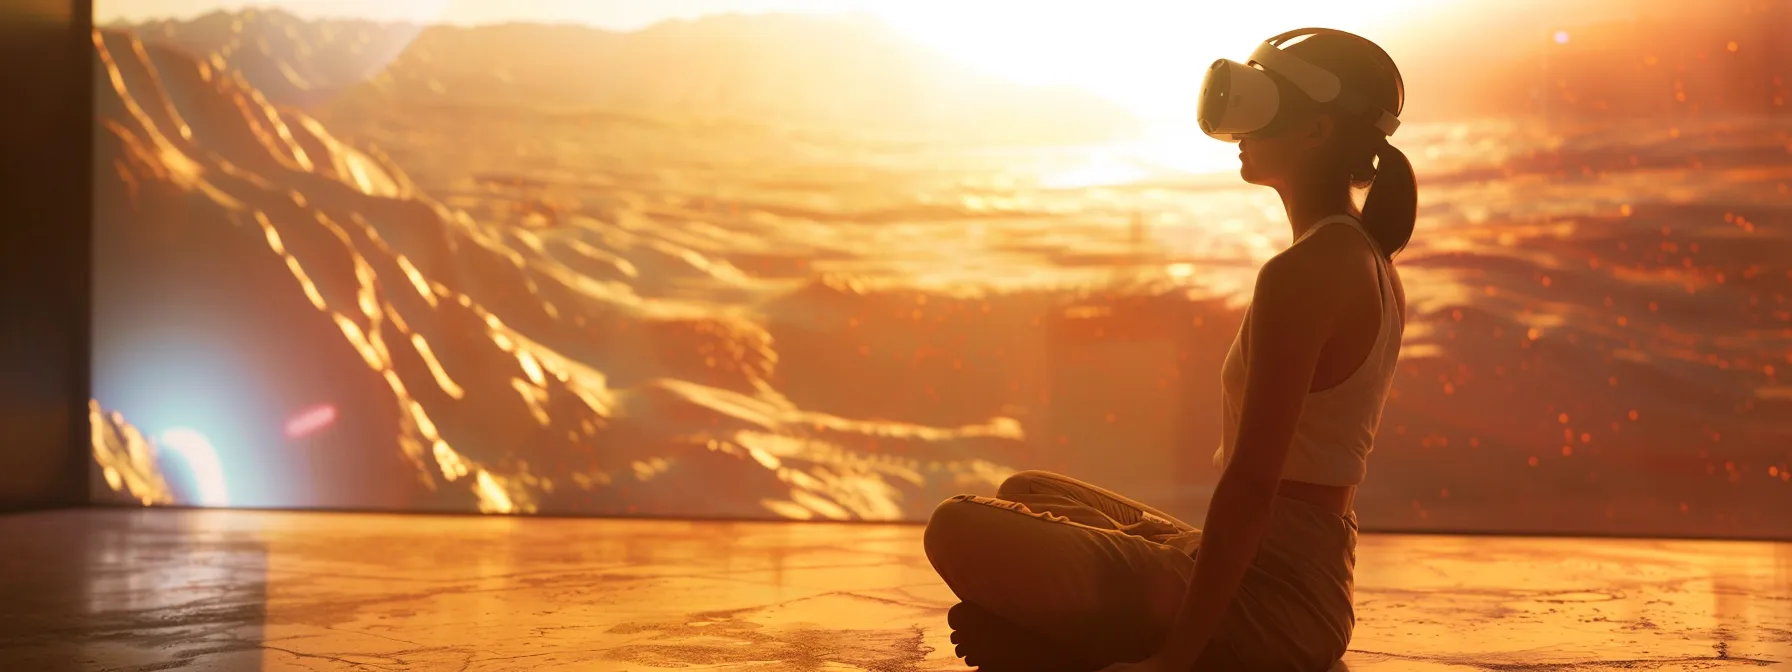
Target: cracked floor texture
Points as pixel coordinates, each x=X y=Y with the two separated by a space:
x=142 y=590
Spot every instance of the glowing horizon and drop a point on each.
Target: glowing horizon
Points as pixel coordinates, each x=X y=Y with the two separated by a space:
x=1145 y=55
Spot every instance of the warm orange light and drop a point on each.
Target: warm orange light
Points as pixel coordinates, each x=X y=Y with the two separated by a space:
x=1142 y=54
x=1136 y=53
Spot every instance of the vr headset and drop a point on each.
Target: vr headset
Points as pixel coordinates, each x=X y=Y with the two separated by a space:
x=1238 y=99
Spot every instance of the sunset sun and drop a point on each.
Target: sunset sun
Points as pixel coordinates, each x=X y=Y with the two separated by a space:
x=1145 y=54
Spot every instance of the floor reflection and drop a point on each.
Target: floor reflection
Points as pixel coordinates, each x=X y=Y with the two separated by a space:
x=237 y=590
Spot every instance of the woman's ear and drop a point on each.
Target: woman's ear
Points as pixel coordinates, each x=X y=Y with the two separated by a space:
x=1320 y=130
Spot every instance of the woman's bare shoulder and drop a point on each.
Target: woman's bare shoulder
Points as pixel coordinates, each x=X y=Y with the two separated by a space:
x=1319 y=256
x=1306 y=273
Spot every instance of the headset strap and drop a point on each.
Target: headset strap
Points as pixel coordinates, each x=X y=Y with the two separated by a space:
x=1317 y=82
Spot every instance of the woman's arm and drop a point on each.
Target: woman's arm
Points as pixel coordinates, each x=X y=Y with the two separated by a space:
x=1293 y=312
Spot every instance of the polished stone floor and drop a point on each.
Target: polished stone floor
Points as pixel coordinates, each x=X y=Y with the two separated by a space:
x=243 y=591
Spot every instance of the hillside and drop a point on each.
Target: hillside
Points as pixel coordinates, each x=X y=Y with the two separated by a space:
x=250 y=266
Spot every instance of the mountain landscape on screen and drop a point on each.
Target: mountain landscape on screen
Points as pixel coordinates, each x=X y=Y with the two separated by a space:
x=800 y=267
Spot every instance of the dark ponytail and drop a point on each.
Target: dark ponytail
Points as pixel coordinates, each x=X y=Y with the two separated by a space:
x=1392 y=206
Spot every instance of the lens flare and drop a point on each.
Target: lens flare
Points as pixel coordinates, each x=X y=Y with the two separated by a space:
x=311 y=421
x=202 y=461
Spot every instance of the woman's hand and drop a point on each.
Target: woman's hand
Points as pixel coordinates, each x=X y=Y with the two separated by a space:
x=1152 y=664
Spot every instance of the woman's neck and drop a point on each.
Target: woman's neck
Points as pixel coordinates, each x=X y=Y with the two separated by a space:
x=1309 y=204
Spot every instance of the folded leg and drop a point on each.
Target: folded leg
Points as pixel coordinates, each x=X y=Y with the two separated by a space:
x=1102 y=594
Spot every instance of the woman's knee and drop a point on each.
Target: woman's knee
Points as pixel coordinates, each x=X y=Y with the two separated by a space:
x=947 y=529
x=950 y=523
x=962 y=535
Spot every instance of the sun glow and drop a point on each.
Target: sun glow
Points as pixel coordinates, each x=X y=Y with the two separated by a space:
x=1145 y=54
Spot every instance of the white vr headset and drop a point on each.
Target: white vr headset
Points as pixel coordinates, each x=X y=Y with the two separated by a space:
x=1238 y=99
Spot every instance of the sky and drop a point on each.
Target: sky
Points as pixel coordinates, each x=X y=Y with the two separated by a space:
x=1145 y=54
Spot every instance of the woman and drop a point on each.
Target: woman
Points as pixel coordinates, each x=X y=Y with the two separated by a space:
x=1059 y=574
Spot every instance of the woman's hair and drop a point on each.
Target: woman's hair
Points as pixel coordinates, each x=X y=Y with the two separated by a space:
x=1392 y=205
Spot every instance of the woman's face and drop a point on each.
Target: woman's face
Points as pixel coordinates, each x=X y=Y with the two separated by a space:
x=1275 y=157
x=1265 y=160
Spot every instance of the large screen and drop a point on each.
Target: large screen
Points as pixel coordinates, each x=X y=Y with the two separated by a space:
x=816 y=260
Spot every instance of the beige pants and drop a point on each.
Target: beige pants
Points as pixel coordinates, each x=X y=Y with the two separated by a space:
x=1105 y=576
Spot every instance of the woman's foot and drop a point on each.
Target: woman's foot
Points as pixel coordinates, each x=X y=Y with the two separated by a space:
x=994 y=644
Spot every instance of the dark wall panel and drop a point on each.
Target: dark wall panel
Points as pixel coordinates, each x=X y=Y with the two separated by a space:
x=44 y=251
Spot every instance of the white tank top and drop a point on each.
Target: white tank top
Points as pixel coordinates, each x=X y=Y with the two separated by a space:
x=1337 y=426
